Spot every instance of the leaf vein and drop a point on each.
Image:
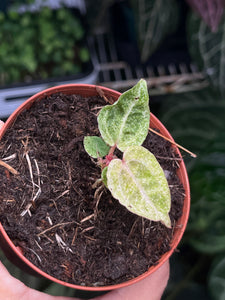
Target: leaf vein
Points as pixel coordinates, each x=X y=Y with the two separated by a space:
x=124 y=122
x=140 y=188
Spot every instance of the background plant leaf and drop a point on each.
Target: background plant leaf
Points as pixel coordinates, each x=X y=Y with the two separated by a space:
x=196 y=120
x=139 y=183
x=210 y=11
x=126 y=122
x=207 y=219
x=207 y=48
x=154 y=20
x=95 y=146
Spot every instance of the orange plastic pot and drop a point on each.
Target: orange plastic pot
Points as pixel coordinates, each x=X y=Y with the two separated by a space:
x=14 y=253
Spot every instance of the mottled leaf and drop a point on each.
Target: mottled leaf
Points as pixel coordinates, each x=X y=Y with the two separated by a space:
x=139 y=183
x=126 y=122
x=95 y=146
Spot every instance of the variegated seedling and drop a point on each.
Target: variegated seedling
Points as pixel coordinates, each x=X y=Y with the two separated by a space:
x=137 y=180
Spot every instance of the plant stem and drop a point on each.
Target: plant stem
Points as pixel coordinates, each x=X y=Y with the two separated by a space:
x=112 y=149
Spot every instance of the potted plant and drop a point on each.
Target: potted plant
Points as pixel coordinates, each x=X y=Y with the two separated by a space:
x=64 y=57
x=60 y=35
x=57 y=205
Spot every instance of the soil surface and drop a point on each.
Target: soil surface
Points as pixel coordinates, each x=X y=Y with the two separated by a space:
x=65 y=226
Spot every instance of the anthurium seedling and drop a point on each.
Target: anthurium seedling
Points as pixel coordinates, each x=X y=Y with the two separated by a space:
x=137 y=180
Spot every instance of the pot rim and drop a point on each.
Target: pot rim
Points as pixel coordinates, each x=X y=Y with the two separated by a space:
x=85 y=90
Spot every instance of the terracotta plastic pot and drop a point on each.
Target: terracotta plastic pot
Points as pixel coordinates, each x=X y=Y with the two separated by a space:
x=14 y=253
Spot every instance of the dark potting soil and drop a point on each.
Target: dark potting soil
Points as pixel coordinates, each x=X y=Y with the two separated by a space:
x=68 y=228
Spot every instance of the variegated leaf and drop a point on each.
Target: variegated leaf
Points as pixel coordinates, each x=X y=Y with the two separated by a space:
x=139 y=183
x=126 y=122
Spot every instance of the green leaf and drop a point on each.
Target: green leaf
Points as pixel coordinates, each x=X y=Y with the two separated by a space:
x=104 y=176
x=126 y=122
x=139 y=183
x=95 y=146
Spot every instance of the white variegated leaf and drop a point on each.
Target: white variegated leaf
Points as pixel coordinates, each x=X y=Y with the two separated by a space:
x=139 y=183
x=126 y=122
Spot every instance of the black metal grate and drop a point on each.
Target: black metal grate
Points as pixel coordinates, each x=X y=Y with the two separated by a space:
x=119 y=75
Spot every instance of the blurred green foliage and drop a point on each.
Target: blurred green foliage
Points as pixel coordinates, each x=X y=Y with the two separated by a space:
x=39 y=45
x=196 y=120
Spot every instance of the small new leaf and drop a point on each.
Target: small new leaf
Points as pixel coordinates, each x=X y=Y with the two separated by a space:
x=139 y=183
x=126 y=122
x=95 y=146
